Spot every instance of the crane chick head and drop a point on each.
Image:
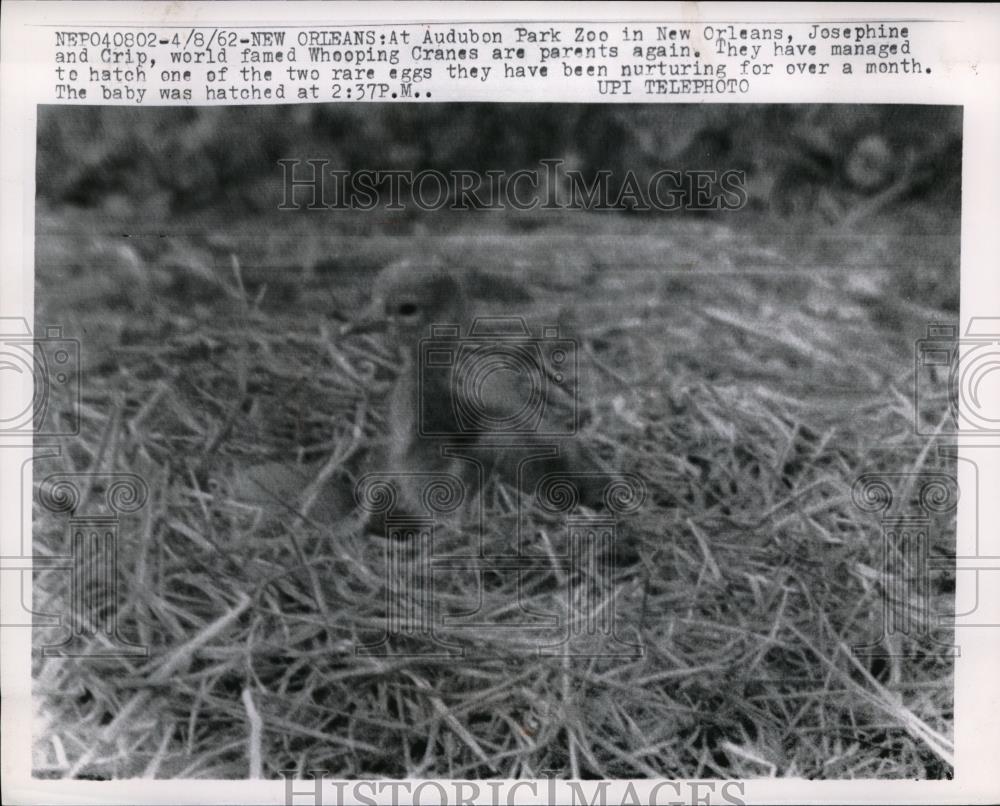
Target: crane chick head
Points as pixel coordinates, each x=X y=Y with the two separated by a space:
x=408 y=297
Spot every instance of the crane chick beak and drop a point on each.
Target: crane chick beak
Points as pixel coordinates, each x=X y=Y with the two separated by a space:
x=371 y=319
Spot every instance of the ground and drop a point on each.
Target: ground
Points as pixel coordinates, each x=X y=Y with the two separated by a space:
x=747 y=368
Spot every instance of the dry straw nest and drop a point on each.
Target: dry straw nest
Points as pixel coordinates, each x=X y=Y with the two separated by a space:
x=748 y=390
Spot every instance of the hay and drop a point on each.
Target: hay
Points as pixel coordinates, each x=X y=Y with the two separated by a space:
x=747 y=389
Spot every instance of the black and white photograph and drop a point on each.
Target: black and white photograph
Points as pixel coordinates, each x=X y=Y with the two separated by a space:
x=497 y=441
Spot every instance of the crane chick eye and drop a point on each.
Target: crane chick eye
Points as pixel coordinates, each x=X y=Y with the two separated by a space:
x=407 y=309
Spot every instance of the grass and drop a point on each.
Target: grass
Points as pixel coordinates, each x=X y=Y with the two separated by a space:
x=747 y=371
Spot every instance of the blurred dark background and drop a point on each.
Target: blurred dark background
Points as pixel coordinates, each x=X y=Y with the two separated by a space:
x=822 y=160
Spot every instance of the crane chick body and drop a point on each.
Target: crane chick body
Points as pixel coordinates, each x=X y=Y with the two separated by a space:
x=408 y=301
